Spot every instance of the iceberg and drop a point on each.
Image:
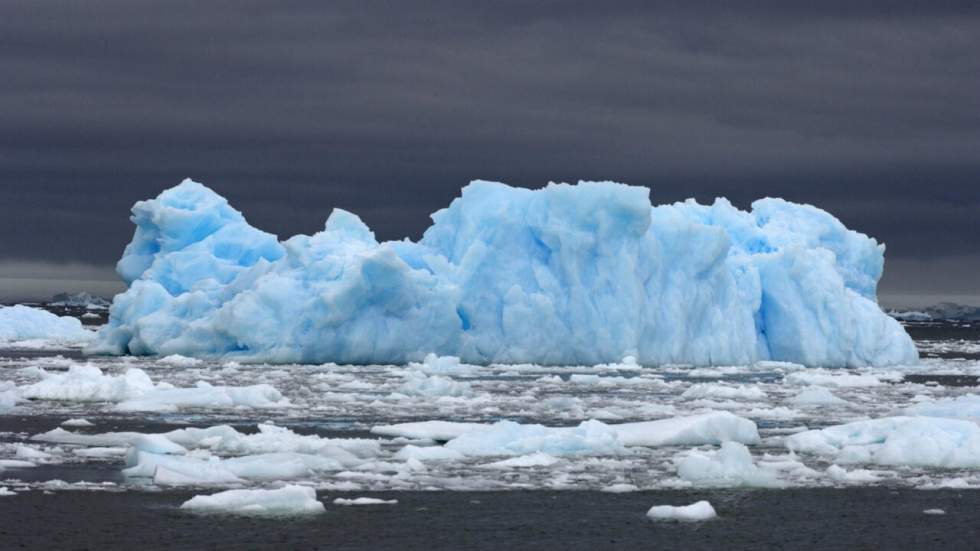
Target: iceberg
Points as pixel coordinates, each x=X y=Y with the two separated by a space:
x=22 y=323
x=563 y=275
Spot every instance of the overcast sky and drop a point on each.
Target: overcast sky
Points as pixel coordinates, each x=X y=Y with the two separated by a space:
x=386 y=109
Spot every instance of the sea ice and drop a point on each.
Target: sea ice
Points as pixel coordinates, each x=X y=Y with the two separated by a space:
x=729 y=466
x=702 y=510
x=364 y=501
x=20 y=323
x=816 y=396
x=961 y=407
x=419 y=384
x=510 y=438
x=9 y=396
x=77 y=423
x=902 y=440
x=563 y=275
x=135 y=391
x=537 y=459
x=288 y=500
x=718 y=391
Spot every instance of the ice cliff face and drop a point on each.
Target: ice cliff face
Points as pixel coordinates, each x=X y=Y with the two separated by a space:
x=567 y=274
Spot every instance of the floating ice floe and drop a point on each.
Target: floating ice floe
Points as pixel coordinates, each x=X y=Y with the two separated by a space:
x=133 y=390
x=591 y=437
x=419 y=384
x=288 y=500
x=176 y=360
x=9 y=396
x=23 y=323
x=835 y=378
x=729 y=466
x=816 y=396
x=702 y=510
x=961 y=407
x=364 y=501
x=564 y=275
x=902 y=440
x=719 y=391
x=77 y=423
x=536 y=459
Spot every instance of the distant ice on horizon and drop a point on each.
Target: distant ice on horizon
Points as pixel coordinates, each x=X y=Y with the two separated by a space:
x=566 y=274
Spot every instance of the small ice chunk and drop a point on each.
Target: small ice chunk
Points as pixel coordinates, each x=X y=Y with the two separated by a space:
x=621 y=488
x=29 y=453
x=816 y=396
x=8 y=395
x=836 y=378
x=440 y=431
x=288 y=500
x=443 y=365
x=702 y=510
x=176 y=360
x=856 y=476
x=537 y=459
x=727 y=467
x=4 y=492
x=16 y=464
x=428 y=453
x=419 y=384
x=364 y=501
x=77 y=423
x=718 y=391
x=934 y=512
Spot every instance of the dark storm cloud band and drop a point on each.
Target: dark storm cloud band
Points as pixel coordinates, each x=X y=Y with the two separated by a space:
x=386 y=109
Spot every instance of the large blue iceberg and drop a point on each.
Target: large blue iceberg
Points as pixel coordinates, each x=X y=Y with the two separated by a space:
x=568 y=274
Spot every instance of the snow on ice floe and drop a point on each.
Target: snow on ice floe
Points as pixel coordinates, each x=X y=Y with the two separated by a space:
x=288 y=500
x=21 y=323
x=699 y=511
x=563 y=275
x=133 y=390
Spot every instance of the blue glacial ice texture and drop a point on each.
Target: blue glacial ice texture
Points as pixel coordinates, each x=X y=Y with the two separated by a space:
x=566 y=274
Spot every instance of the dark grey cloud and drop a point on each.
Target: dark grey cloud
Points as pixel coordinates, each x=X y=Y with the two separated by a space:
x=386 y=108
